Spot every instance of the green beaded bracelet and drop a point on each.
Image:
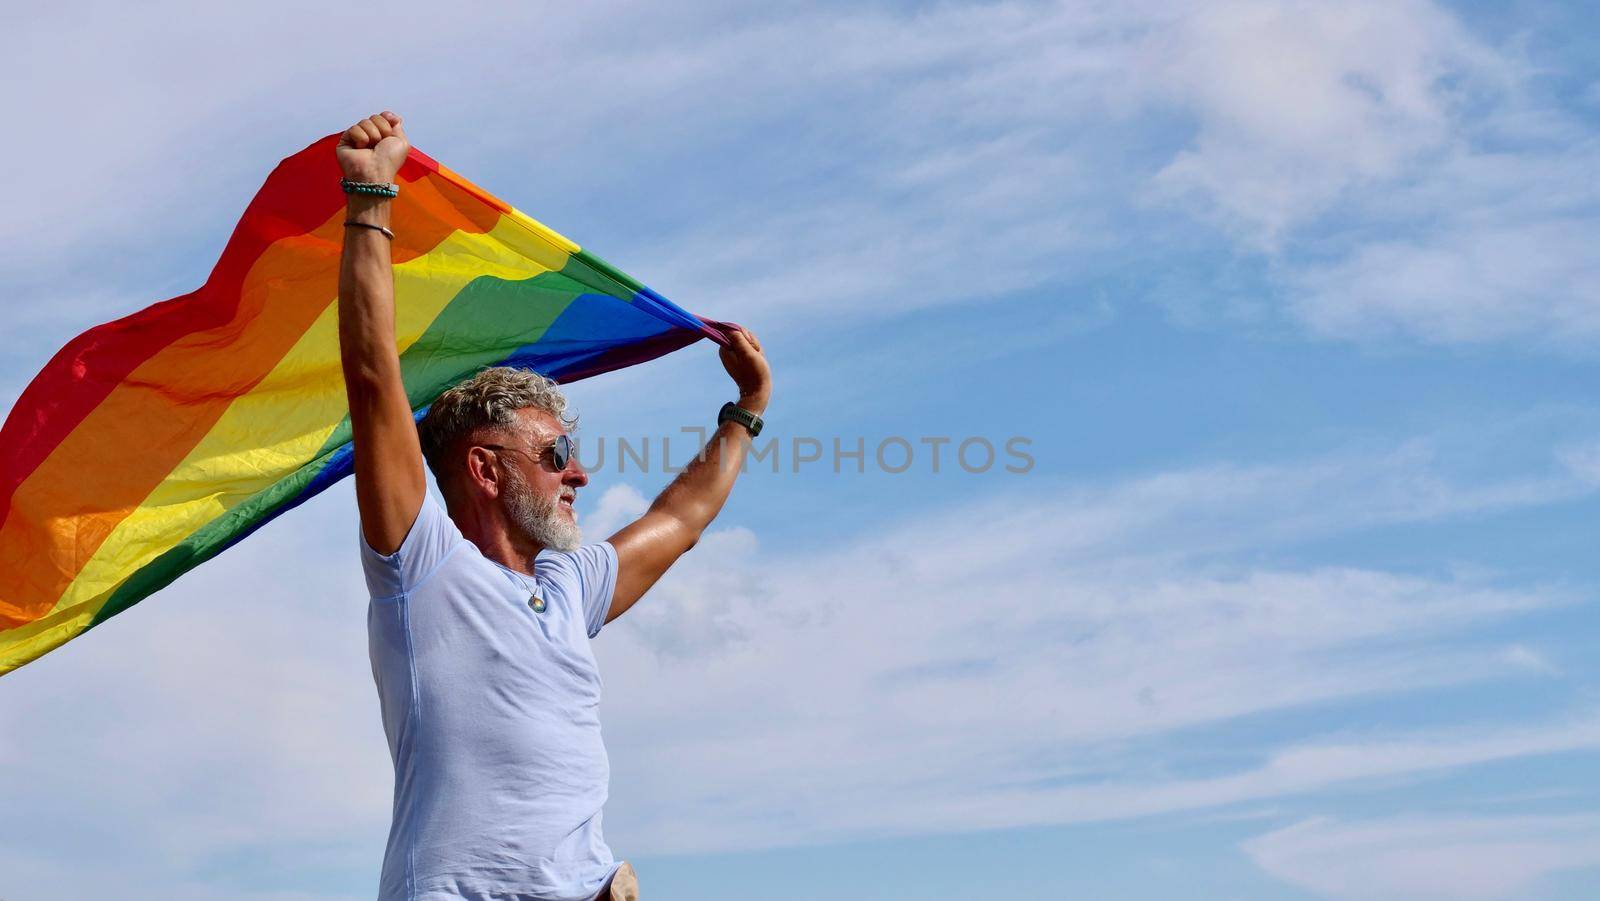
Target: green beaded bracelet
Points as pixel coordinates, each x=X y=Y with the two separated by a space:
x=376 y=189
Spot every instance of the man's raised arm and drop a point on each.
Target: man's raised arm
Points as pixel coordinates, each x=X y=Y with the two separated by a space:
x=389 y=479
x=672 y=525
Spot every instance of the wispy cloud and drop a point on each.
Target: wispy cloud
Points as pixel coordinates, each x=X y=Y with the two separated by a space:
x=1427 y=856
x=1298 y=103
x=221 y=721
x=1531 y=279
x=914 y=681
x=1398 y=172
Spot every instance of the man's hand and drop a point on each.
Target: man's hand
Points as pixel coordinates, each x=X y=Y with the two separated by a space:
x=746 y=364
x=373 y=149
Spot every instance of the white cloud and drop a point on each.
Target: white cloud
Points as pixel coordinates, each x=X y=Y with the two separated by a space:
x=1528 y=658
x=1305 y=769
x=1421 y=857
x=618 y=506
x=1536 y=280
x=1297 y=103
x=1221 y=507
x=229 y=718
x=910 y=682
x=1398 y=172
x=861 y=162
x=1583 y=460
x=939 y=151
x=893 y=696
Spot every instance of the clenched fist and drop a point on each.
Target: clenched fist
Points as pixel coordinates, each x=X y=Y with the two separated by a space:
x=373 y=149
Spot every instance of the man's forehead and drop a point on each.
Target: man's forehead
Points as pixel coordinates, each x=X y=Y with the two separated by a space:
x=540 y=424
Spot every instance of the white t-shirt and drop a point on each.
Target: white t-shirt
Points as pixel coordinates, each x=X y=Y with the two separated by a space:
x=492 y=711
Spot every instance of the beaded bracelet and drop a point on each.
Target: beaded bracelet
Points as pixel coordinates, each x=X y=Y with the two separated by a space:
x=376 y=189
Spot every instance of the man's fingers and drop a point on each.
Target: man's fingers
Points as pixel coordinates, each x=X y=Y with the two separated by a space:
x=372 y=130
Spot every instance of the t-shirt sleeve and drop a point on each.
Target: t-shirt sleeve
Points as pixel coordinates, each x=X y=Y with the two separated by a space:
x=432 y=537
x=594 y=568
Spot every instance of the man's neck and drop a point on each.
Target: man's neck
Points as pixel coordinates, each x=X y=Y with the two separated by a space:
x=497 y=539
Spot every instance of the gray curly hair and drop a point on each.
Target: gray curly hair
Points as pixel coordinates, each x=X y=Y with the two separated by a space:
x=487 y=400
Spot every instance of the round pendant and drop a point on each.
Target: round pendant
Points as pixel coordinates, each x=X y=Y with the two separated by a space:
x=536 y=602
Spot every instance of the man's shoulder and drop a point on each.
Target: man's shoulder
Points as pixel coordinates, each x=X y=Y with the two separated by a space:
x=572 y=565
x=432 y=539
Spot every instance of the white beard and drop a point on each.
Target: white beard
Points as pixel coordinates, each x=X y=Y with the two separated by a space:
x=542 y=522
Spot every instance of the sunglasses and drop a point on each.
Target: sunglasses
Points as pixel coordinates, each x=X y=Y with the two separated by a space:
x=561 y=451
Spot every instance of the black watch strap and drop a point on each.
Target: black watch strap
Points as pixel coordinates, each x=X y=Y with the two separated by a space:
x=749 y=420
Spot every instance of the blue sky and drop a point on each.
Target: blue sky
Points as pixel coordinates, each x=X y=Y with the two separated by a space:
x=1295 y=302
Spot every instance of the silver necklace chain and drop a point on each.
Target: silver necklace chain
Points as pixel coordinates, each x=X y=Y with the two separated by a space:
x=534 y=601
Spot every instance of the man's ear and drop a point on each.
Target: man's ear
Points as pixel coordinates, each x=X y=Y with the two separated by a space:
x=483 y=471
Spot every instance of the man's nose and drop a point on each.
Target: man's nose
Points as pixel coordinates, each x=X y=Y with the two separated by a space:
x=574 y=474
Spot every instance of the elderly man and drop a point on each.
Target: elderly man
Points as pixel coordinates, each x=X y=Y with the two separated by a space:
x=482 y=611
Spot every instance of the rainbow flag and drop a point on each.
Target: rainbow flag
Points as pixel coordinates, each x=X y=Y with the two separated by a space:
x=150 y=444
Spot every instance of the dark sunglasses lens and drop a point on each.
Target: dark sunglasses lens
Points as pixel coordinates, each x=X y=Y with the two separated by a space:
x=561 y=453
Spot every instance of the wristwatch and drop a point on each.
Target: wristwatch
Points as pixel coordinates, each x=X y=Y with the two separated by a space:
x=749 y=420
